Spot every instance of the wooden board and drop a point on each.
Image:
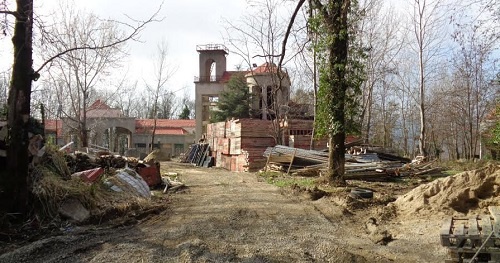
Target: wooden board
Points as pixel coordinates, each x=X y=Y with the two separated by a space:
x=495 y=213
x=445 y=231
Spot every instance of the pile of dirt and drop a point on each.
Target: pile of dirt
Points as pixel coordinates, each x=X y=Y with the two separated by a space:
x=458 y=194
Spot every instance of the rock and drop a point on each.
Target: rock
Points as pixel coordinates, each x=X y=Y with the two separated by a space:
x=73 y=209
x=381 y=237
x=377 y=235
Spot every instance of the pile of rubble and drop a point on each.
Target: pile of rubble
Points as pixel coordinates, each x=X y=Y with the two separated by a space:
x=80 y=184
x=360 y=163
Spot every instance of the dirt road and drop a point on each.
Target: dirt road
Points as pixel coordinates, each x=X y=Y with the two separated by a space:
x=237 y=217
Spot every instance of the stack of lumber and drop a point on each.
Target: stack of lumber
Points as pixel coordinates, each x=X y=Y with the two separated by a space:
x=299 y=135
x=238 y=145
x=367 y=166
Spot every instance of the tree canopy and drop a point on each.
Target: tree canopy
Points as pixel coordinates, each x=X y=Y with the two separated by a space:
x=234 y=101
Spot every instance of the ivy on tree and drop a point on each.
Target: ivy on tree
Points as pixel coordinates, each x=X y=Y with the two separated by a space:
x=234 y=101
x=341 y=74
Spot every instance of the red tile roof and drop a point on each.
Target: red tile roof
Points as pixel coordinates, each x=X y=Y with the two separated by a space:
x=99 y=104
x=165 y=123
x=99 y=109
x=164 y=127
x=265 y=68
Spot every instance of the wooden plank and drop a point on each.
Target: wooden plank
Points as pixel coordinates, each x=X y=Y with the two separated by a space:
x=473 y=229
x=291 y=161
x=445 y=232
x=459 y=230
x=473 y=239
x=486 y=228
x=495 y=213
x=281 y=159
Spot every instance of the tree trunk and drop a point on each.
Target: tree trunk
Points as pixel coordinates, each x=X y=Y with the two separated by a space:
x=16 y=179
x=337 y=60
x=421 y=140
x=153 y=135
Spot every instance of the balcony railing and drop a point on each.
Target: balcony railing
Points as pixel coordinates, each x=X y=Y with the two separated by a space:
x=212 y=47
x=207 y=78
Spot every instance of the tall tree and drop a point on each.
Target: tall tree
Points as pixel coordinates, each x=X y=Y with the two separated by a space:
x=158 y=90
x=339 y=82
x=378 y=32
x=15 y=183
x=234 y=101
x=475 y=67
x=427 y=22
x=79 y=72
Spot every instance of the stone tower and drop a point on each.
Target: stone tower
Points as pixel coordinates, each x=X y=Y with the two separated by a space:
x=209 y=84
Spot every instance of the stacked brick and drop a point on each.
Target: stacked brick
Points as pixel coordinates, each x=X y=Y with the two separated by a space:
x=239 y=145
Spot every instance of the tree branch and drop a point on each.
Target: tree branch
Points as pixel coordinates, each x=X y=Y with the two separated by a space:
x=135 y=31
x=289 y=28
x=14 y=13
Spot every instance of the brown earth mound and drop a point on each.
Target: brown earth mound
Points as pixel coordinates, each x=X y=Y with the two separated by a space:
x=461 y=193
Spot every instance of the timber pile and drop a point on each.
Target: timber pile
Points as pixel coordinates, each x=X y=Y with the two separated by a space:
x=238 y=145
x=359 y=166
x=299 y=135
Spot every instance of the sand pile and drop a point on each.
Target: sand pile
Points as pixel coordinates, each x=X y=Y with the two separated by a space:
x=461 y=193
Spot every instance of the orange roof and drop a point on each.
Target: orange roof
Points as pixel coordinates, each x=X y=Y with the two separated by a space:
x=99 y=104
x=164 y=127
x=99 y=109
x=266 y=68
x=167 y=123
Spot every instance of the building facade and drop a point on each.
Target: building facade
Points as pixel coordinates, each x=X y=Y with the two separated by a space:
x=109 y=129
x=269 y=87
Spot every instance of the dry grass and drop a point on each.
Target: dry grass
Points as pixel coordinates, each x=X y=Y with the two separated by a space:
x=52 y=184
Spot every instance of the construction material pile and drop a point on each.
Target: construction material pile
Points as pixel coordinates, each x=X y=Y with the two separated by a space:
x=461 y=193
x=199 y=155
x=359 y=165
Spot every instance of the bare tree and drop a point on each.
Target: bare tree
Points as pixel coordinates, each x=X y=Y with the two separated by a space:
x=379 y=35
x=475 y=67
x=427 y=21
x=259 y=36
x=15 y=182
x=158 y=90
x=80 y=71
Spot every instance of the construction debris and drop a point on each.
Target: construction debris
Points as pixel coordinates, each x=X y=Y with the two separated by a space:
x=363 y=164
x=238 y=144
x=199 y=155
x=130 y=181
